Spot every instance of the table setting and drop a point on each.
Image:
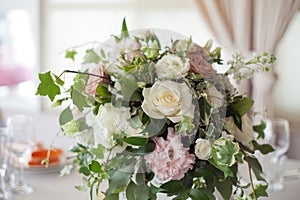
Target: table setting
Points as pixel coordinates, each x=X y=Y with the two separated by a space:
x=152 y=118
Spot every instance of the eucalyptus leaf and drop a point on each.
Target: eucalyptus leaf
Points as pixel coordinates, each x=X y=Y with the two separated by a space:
x=137 y=141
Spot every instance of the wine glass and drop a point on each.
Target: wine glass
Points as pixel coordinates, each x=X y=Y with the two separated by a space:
x=4 y=144
x=22 y=143
x=277 y=134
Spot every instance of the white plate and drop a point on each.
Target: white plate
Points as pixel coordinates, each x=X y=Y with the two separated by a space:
x=54 y=167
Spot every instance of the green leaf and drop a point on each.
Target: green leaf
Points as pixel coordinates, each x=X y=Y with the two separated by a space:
x=91 y=57
x=65 y=116
x=137 y=141
x=124 y=31
x=66 y=170
x=236 y=116
x=70 y=54
x=263 y=148
x=260 y=191
x=141 y=192
x=242 y=106
x=84 y=170
x=225 y=154
x=143 y=150
x=155 y=127
x=95 y=166
x=130 y=190
x=225 y=188
x=112 y=197
x=84 y=187
x=256 y=167
x=47 y=86
x=118 y=180
x=205 y=110
x=99 y=151
x=130 y=90
x=196 y=194
x=102 y=90
x=173 y=187
x=260 y=129
x=78 y=99
x=70 y=128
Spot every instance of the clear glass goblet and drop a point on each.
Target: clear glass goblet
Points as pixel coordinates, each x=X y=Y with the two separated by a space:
x=277 y=134
x=22 y=144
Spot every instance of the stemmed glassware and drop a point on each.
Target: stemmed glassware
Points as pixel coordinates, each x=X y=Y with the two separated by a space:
x=277 y=134
x=22 y=143
x=4 y=148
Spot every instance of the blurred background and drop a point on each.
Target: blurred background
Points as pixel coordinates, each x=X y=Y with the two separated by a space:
x=34 y=34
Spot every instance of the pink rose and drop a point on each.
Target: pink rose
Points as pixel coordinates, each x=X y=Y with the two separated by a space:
x=170 y=160
x=94 y=81
x=199 y=61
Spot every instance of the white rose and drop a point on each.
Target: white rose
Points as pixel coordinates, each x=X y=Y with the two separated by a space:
x=110 y=121
x=168 y=99
x=172 y=67
x=245 y=136
x=203 y=149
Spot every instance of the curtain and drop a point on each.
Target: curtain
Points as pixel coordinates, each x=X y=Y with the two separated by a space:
x=251 y=26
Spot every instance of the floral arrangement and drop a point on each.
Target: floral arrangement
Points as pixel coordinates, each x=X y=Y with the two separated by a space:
x=155 y=118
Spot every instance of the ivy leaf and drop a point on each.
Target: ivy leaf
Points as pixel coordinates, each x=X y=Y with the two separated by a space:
x=226 y=153
x=263 y=148
x=84 y=187
x=47 y=86
x=225 y=188
x=256 y=167
x=70 y=128
x=260 y=191
x=91 y=57
x=78 y=99
x=260 y=129
x=204 y=109
x=71 y=54
x=242 y=106
x=99 y=151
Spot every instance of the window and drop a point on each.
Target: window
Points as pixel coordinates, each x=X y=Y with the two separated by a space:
x=18 y=54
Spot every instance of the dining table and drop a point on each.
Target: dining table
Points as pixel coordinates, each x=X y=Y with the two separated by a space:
x=49 y=185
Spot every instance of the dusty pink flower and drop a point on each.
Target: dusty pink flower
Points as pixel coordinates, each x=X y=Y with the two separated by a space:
x=199 y=61
x=94 y=81
x=170 y=160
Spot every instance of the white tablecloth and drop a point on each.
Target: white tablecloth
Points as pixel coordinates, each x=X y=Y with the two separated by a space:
x=49 y=186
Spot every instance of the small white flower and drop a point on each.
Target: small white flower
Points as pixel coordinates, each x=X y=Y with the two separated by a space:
x=168 y=99
x=172 y=67
x=203 y=149
x=110 y=121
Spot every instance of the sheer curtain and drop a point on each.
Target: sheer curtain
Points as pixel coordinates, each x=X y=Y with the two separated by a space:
x=251 y=26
